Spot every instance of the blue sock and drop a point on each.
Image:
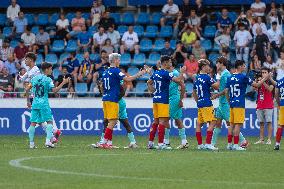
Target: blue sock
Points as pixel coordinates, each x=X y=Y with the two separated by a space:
x=49 y=133
x=181 y=133
x=102 y=137
x=216 y=133
x=242 y=138
x=31 y=133
x=131 y=137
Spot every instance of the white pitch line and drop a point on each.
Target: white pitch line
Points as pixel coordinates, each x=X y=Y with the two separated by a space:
x=18 y=164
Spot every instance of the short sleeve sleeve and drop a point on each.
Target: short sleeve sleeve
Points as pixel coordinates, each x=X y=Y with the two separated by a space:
x=50 y=83
x=120 y=74
x=170 y=76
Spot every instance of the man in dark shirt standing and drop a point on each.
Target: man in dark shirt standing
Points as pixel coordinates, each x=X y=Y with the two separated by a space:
x=261 y=46
x=180 y=54
x=73 y=65
x=106 y=21
x=180 y=25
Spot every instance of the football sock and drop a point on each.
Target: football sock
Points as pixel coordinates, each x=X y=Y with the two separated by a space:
x=236 y=140
x=153 y=131
x=279 y=134
x=131 y=137
x=216 y=133
x=161 y=133
x=49 y=133
x=167 y=136
x=181 y=133
x=31 y=133
x=242 y=138
x=230 y=138
x=198 y=137
x=102 y=138
x=209 y=137
x=108 y=134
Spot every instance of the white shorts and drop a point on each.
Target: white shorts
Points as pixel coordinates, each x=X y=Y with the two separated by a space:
x=264 y=115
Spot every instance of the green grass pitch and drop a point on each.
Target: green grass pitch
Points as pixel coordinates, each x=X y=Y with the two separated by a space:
x=74 y=164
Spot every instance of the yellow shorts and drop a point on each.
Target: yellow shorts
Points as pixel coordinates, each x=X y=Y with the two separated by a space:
x=161 y=110
x=110 y=109
x=205 y=115
x=281 y=116
x=237 y=115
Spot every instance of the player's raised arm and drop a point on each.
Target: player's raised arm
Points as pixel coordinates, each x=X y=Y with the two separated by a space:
x=134 y=77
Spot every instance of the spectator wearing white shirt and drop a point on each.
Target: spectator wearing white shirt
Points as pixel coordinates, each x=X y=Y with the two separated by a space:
x=280 y=66
x=275 y=16
x=6 y=50
x=258 y=23
x=223 y=40
x=129 y=41
x=170 y=11
x=29 y=38
x=114 y=37
x=62 y=25
x=270 y=64
x=242 y=39
x=99 y=39
x=274 y=35
x=13 y=11
x=258 y=8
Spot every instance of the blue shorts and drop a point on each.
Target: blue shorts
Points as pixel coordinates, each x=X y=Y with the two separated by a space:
x=223 y=112
x=175 y=109
x=41 y=115
x=122 y=109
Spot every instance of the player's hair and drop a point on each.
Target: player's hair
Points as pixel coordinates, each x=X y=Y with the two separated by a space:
x=165 y=59
x=45 y=66
x=31 y=55
x=239 y=63
x=222 y=60
x=113 y=56
x=203 y=62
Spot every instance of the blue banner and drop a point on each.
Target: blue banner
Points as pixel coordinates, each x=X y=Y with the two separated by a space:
x=89 y=121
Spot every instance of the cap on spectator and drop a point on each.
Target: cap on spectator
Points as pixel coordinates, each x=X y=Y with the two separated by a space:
x=22 y=41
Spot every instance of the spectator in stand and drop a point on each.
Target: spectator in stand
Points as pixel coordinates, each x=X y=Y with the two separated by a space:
x=274 y=36
x=194 y=23
x=42 y=41
x=242 y=40
x=86 y=70
x=5 y=80
x=261 y=46
x=265 y=105
x=29 y=38
x=188 y=38
x=19 y=84
x=1 y=66
x=250 y=17
x=10 y=92
x=223 y=40
x=62 y=25
x=100 y=66
x=255 y=65
x=226 y=53
x=224 y=21
x=12 y=66
x=2 y=37
x=180 y=25
x=96 y=13
x=101 y=6
x=270 y=64
x=107 y=21
x=201 y=12
x=258 y=8
x=98 y=40
x=280 y=66
x=13 y=11
x=242 y=19
x=114 y=36
x=170 y=11
x=258 y=22
x=6 y=50
x=197 y=50
x=167 y=50
x=20 y=51
x=108 y=46
x=77 y=23
x=185 y=8
x=274 y=17
x=20 y=25
x=129 y=41
x=67 y=88
x=191 y=65
x=180 y=54
x=128 y=85
x=84 y=40
x=72 y=66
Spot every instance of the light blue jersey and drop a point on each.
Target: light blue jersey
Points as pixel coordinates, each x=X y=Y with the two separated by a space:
x=174 y=99
x=223 y=81
x=174 y=87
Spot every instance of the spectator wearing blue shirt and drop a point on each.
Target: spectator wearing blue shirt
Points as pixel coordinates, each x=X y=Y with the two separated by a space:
x=73 y=65
x=167 y=50
x=11 y=65
x=20 y=25
x=84 y=40
x=224 y=21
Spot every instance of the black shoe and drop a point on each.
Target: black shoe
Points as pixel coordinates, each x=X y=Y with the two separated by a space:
x=276 y=147
x=168 y=145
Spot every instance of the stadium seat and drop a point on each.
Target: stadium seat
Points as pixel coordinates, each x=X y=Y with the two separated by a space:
x=42 y=19
x=51 y=58
x=140 y=89
x=56 y=73
x=159 y=44
x=95 y=57
x=139 y=59
x=213 y=57
x=2 y=19
x=139 y=30
x=86 y=15
x=145 y=45
x=80 y=57
x=39 y=60
x=70 y=16
x=151 y=31
x=116 y=17
x=81 y=89
x=209 y=31
x=7 y=31
x=35 y=30
x=30 y=18
x=143 y=18
x=127 y=18
x=57 y=46
x=71 y=46
x=132 y=70
x=125 y=59
x=206 y=44
x=121 y=29
x=14 y=43
x=216 y=47
x=214 y=17
x=189 y=88
x=153 y=59
x=145 y=77
x=93 y=29
x=156 y=17
x=63 y=56
x=173 y=43
x=53 y=18
x=166 y=31
x=233 y=16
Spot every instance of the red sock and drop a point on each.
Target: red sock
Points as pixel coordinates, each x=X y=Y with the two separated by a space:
x=153 y=131
x=209 y=137
x=236 y=139
x=198 y=137
x=108 y=134
x=230 y=139
x=279 y=134
x=161 y=133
